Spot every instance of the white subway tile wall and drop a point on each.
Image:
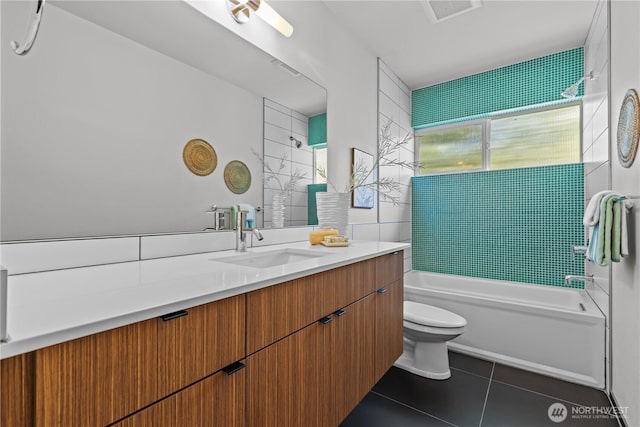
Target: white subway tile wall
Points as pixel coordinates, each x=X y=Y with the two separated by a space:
x=281 y=123
x=30 y=257
x=595 y=110
x=185 y=244
x=394 y=104
x=281 y=235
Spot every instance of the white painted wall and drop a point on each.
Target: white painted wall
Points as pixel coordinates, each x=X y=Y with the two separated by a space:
x=93 y=128
x=625 y=278
x=280 y=123
x=595 y=146
x=325 y=52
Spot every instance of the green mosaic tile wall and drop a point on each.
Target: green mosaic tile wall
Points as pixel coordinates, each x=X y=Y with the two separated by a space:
x=536 y=81
x=312 y=208
x=317 y=129
x=516 y=224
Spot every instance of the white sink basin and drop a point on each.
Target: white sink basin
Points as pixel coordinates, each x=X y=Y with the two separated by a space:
x=270 y=258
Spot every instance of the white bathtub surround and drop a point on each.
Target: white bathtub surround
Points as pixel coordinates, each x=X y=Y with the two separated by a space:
x=553 y=331
x=51 y=307
x=595 y=144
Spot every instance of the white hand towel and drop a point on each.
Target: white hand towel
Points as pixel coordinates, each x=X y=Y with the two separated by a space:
x=592 y=212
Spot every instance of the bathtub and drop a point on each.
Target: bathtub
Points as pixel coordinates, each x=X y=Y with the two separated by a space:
x=558 y=332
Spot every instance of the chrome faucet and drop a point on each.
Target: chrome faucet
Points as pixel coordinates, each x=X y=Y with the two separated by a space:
x=569 y=279
x=241 y=236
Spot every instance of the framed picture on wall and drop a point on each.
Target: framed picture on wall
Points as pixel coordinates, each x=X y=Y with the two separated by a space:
x=363 y=195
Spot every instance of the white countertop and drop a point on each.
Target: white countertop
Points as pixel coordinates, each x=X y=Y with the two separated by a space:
x=52 y=307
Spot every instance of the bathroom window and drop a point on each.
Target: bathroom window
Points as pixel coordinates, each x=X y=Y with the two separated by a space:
x=547 y=137
x=537 y=138
x=451 y=148
x=319 y=163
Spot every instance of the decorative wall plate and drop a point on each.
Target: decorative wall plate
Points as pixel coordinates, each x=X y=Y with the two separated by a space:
x=237 y=177
x=628 y=128
x=200 y=157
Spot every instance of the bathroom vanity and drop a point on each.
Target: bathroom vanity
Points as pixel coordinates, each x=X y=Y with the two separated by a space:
x=299 y=351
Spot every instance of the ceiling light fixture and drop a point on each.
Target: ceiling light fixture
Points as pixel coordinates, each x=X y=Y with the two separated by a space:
x=241 y=12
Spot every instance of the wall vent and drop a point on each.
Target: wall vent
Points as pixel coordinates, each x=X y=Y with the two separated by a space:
x=440 y=10
x=285 y=67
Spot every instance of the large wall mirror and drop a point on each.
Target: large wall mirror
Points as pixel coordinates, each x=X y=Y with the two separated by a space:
x=96 y=116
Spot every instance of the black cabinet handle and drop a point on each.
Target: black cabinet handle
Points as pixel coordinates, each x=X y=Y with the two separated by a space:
x=325 y=320
x=174 y=315
x=233 y=368
x=340 y=312
x=382 y=290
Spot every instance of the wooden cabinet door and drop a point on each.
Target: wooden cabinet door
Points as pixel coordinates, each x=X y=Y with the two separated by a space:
x=196 y=342
x=290 y=383
x=388 y=327
x=96 y=380
x=215 y=401
x=389 y=268
x=102 y=378
x=277 y=311
x=17 y=400
x=353 y=350
x=347 y=284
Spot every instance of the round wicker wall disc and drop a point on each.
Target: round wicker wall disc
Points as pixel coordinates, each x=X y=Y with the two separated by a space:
x=237 y=177
x=200 y=157
x=629 y=128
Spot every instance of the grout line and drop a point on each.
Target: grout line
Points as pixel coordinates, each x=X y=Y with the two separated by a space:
x=542 y=394
x=472 y=373
x=486 y=397
x=411 y=407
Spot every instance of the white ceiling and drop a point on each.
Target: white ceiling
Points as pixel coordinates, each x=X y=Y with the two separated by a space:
x=499 y=33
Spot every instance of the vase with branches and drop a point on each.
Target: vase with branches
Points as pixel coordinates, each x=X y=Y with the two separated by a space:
x=333 y=207
x=367 y=176
x=282 y=184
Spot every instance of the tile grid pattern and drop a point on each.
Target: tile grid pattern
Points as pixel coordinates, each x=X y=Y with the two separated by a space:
x=515 y=225
x=394 y=106
x=280 y=123
x=479 y=393
x=595 y=136
x=535 y=81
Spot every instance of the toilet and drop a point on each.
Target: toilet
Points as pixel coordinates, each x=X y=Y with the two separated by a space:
x=426 y=331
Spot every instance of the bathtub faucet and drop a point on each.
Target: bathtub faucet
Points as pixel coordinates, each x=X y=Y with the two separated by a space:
x=569 y=279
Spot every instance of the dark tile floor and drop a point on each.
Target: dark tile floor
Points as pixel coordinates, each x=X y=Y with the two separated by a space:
x=479 y=393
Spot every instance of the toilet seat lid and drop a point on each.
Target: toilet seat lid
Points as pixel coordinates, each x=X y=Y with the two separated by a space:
x=428 y=315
